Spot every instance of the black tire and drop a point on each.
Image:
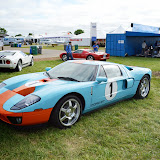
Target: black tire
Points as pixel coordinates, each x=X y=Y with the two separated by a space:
x=64 y=57
x=90 y=57
x=66 y=112
x=143 y=88
x=19 y=66
x=32 y=62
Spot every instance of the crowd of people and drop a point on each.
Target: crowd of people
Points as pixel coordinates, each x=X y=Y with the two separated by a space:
x=150 y=50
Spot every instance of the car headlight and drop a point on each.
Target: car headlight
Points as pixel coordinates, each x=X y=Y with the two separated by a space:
x=2 y=85
x=31 y=99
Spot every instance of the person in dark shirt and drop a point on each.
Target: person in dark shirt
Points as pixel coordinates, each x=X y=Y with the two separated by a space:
x=69 y=51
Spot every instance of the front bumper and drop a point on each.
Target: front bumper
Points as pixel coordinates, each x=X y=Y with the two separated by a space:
x=27 y=118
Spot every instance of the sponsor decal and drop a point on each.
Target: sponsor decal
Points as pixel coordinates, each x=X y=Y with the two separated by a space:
x=97 y=103
x=3 y=56
x=75 y=39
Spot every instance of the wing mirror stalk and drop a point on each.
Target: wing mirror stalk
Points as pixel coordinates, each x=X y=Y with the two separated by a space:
x=101 y=79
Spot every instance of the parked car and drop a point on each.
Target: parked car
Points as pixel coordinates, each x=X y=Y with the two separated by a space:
x=61 y=94
x=15 y=59
x=87 y=54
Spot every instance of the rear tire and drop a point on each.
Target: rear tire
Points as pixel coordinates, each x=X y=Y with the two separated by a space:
x=64 y=57
x=90 y=57
x=19 y=66
x=67 y=112
x=32 y=62
x=143 y=87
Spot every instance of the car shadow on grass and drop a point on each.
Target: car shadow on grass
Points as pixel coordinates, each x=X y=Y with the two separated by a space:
x=6 y=70
x=26 y=129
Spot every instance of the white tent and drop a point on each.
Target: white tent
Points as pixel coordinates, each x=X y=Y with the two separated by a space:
x=58 y=37
x=119 y=30
x=81 y=39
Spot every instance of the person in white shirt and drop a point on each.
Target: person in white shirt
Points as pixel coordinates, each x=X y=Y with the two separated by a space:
x=144 y=45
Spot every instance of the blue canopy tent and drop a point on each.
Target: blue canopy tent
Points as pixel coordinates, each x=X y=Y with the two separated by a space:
x=129 y=42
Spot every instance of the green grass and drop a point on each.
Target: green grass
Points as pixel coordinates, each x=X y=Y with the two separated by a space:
x=61 y=47
x=127 y=130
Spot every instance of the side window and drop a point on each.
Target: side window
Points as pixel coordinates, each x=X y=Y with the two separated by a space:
x=78 y=51
x=112 y=71
x=22 y=53
x=101 y=72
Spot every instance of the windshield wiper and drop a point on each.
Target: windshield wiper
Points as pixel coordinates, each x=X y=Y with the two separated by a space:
x=48 y=75
x=68 y=78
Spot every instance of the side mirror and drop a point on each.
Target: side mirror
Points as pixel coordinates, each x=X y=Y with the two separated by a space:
x=48 y=68
x=130 y=83
x=101 y=79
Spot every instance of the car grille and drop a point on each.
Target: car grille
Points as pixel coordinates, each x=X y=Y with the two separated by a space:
x=2 y=61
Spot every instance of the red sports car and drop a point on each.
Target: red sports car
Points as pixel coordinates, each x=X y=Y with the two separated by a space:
x=86 y=54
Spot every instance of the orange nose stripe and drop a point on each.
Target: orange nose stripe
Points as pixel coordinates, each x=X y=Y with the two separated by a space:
x=4 y=97
x=24 y=90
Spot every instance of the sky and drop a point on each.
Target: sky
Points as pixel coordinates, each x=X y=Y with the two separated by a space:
x=58 y=16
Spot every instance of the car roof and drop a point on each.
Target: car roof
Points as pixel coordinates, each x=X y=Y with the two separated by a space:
x=90 y=62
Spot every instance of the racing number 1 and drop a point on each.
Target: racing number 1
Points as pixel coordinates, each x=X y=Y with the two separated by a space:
x=111 y=88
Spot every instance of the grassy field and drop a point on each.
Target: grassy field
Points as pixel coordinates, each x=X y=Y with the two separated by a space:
x=127 y=130
x=61 y=47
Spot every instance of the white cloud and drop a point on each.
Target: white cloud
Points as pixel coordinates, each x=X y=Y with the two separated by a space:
x=52 y=16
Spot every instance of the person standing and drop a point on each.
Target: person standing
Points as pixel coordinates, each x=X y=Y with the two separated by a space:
x=69 y=51
x=95 y=47
x=144 y=45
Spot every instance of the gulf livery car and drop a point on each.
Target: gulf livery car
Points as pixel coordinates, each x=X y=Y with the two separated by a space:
x=87 y=54
x=15 y=59
x=60 y=95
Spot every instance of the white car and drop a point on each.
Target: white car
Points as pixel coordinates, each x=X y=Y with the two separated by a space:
x=14 y=59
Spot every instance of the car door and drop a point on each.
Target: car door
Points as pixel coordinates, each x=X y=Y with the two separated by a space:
x=77 y=53
x=25 y=58
x=111 y=91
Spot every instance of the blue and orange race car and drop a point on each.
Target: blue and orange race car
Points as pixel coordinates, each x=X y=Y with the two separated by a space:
x=61 y=94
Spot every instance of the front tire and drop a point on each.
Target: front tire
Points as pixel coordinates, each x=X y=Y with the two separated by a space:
x=143 y=87
x=19 y=66
x=67 y=112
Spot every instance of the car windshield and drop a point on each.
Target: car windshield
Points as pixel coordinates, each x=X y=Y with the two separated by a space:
x=91 y=51
x=74 y=72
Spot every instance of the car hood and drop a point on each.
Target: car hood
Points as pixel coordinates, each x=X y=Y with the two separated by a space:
x=39 y=84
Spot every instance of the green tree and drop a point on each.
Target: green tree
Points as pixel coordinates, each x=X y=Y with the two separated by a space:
x=30 y=34
x=78 y=31
x=3 y=30
x=18 y=35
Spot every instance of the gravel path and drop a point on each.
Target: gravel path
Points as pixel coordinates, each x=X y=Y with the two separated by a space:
x=46 y=53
